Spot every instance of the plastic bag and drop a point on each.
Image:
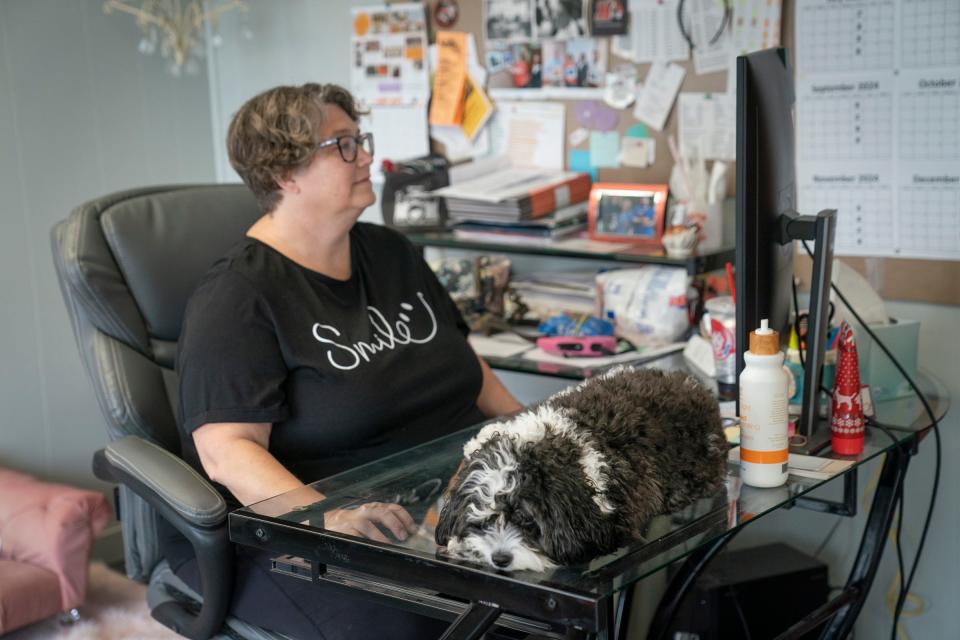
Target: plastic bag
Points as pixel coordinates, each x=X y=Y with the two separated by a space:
x=648 y=305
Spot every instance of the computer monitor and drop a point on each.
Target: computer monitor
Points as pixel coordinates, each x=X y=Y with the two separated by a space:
x=767 y=220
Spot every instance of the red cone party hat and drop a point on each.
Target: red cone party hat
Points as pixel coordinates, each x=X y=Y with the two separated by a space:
x=846 y=422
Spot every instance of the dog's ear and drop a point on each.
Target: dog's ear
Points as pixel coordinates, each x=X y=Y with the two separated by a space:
x=454 y=509
x=554 y=493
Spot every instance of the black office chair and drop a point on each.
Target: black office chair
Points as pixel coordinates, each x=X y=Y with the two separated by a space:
x=127 y=263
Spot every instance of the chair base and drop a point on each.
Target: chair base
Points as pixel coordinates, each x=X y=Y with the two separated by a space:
x=166 y=587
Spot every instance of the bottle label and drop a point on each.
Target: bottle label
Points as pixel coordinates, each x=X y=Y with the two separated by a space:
x=764 y=457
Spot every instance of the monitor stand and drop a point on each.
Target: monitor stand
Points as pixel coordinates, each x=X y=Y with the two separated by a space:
x=820 y=228
x=811 y=445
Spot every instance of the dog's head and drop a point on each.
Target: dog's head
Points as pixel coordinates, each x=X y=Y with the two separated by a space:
x=529 y=495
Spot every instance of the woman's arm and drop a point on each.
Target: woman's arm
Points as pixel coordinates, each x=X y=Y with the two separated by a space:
x=494 y=399
x=235 y=455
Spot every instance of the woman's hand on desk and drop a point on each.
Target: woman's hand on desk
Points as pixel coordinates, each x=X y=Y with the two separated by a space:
x=362 y=521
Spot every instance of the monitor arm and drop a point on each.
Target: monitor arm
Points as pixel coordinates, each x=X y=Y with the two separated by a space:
x=820 y=228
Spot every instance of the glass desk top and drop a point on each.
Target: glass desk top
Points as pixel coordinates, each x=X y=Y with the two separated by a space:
x=416 y=479
x=580 y=368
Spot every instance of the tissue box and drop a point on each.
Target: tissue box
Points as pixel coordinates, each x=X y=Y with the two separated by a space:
x=876 y=369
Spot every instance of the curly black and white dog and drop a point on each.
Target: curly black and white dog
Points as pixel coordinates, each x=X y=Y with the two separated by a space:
x=581 y=474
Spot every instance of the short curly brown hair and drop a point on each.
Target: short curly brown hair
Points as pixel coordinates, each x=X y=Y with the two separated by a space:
x=276 y=132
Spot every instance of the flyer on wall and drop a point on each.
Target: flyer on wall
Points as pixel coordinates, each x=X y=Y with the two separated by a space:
x=389 y=47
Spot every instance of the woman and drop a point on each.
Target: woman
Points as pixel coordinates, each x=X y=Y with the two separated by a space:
x=316 y=344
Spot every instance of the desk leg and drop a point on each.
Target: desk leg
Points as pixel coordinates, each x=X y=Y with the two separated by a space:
x=621 y=617
x=472 y=623
x=678 y=588
x=871 y=544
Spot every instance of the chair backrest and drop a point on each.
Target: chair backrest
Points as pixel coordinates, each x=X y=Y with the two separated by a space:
x=127 y=264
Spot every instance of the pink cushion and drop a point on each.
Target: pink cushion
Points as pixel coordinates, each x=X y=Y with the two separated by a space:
x=27 y=594
x=50 y=526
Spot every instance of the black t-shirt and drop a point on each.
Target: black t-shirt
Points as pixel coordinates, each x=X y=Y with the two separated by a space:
x=346 y=371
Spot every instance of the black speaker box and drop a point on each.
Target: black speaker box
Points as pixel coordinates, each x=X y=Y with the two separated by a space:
x=753 y=593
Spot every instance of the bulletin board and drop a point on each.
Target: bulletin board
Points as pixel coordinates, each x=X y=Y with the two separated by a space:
x=898 y=279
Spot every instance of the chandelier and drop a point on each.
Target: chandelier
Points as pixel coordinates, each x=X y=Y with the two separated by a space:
x=177 y=27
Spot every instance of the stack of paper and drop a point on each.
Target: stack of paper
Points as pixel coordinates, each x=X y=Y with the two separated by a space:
x=550 y=293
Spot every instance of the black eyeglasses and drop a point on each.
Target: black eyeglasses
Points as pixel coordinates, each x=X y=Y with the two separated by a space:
x=349 y=145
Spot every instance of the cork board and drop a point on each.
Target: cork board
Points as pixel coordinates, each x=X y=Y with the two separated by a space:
x=895 y=279
x=471 y=20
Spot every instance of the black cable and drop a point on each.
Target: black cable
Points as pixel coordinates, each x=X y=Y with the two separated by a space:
x=743 y=619
x=934 y=425
x=902 y=594
x=727 y=17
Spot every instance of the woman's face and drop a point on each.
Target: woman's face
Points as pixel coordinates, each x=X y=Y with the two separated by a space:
x=330 y=183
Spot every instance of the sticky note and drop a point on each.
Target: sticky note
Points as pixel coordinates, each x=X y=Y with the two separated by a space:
x=633 y=152
x=604 y=149
x=579 y=160
x=638 y=130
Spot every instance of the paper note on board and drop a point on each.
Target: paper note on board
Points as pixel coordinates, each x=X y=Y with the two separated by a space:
x=604 y=149
x=713 y=50
x=450 y=81
x=530 y=133
x=637 y=152
x=477 y=108
x=387 y=61
x=659 y=91
x=654 y=33
x=579 y=160
x=400 y=132
x=707 y=125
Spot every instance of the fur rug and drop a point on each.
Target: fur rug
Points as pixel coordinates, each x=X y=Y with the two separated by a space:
x=116 y=608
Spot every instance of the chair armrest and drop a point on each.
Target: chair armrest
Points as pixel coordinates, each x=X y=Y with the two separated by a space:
x=189 y=503
x=174 y=482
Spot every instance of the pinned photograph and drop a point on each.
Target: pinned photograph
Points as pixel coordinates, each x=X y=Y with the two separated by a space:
x=574 y=63
x=627 y=212
x=560 y=19
x=608 y=17
x=510 y=20
x=520 y=66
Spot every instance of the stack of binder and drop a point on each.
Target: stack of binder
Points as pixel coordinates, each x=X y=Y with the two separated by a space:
x=561 y=223
x=512 y=204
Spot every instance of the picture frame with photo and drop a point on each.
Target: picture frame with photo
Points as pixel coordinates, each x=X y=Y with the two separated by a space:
x=508 y=20
x=634 y=213
x=608 y=17
x=560 y=19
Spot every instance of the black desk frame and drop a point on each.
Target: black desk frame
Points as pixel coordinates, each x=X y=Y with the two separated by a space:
x=560 y=612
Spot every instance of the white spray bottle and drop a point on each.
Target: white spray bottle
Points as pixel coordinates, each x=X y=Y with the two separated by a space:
x=763 y=411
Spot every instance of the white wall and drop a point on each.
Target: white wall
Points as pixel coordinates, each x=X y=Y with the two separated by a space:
x=308 y=41
x=82 y=114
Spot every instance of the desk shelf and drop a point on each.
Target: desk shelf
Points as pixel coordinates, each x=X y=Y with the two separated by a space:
x=694 y=264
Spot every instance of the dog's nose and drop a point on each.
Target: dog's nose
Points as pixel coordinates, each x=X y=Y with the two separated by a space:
x=502 y=558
